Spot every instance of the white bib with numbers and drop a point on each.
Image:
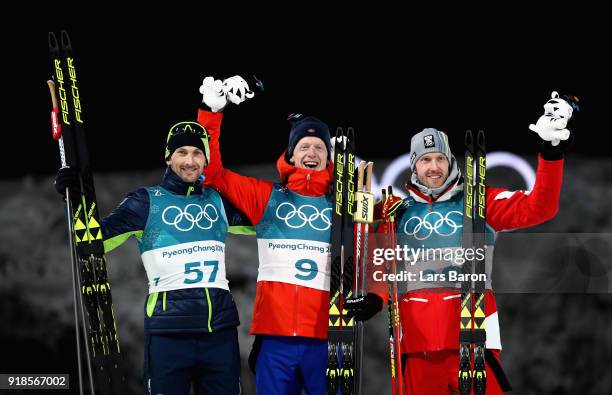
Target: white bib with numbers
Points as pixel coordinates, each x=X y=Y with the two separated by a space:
x=299 y=262
x=199 y=264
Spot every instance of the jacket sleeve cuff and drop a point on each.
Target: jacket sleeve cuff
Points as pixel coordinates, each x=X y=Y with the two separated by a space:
x=210 y=120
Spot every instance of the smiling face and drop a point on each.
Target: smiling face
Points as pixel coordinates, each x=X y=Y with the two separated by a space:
x=310 y=153
x=187 y=162
x=432 y=169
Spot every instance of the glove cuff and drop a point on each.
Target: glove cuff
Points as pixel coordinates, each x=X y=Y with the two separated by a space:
x=205 y=107
x=549 y=152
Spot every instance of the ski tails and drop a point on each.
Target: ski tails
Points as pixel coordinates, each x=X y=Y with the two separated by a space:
x=87 y=249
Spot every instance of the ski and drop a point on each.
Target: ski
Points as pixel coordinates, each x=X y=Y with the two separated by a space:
x=467 y=241
x=332 y=373
x=87 y=248
x=341 y=341
x=472 y=315
x=480 y=334
x=363 y=216
x=347 y=367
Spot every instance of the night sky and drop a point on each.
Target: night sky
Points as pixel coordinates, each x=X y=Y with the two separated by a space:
x=138 y=76
x=388 y=74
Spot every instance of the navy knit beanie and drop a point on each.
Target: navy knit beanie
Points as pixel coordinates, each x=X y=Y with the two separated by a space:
x=307 y=126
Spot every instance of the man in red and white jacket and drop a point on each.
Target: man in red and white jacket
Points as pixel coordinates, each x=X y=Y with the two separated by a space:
x=430 y=218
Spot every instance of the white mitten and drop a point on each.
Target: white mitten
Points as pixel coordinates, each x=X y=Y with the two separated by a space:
x=551 y=125
x=213 y=94
x=237 y=90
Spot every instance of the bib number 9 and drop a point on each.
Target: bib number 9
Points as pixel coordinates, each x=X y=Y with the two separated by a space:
x=308 y=269
x=193 y=269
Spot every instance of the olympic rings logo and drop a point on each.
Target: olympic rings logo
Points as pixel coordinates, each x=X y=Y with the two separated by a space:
x=306 y=214
x=185 y=220
x=423 y=228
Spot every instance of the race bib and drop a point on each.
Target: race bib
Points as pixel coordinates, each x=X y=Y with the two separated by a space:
x=198 y=264
x=305 y=263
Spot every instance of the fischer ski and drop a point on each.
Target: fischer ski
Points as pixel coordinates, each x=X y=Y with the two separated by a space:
x=480 y=334
x=472 y=316
x=332 y=373
x=98 y=323
x=341 y=342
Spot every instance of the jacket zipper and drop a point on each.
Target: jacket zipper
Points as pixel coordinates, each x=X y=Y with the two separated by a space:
x=308 y=182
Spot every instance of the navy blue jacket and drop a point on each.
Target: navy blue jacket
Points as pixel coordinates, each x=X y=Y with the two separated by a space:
x=183 y=310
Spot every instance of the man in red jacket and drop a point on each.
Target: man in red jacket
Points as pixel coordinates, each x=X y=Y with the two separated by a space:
x=292 y=220
x=430 y=218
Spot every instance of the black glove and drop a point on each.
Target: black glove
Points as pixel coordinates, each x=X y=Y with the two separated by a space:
x=254 y=353
x=364 y=307
x=550 y=152
x=67 y=177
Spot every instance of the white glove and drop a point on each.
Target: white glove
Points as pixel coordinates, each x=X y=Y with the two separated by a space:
x=213 y=94
x=237 y=90
x=551 y=125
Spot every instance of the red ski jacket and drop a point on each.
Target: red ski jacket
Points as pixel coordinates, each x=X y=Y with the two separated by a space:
x=280 y=309
x=430 y=317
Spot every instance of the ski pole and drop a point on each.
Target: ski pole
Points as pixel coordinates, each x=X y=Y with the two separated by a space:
x=389 y=207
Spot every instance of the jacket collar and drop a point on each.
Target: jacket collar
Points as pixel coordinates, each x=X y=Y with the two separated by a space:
x=173 y=183
x=450 y=191
x=305 y=181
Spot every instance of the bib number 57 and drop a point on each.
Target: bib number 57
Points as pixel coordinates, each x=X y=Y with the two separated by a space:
x=194 y=275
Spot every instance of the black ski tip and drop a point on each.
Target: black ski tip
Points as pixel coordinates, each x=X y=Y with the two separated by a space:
x=339 y=132
x=350 y=138
x=53 y=44
x=65 y=39
x=350 y=134
x=469 y=138
x=390 y=190
x=480 y=138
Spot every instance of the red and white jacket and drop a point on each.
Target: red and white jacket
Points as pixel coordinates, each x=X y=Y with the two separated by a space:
x=280 y=309
x=430 y=317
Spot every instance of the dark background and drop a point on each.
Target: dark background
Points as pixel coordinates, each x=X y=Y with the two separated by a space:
x=388 y=75
x=139 y=75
